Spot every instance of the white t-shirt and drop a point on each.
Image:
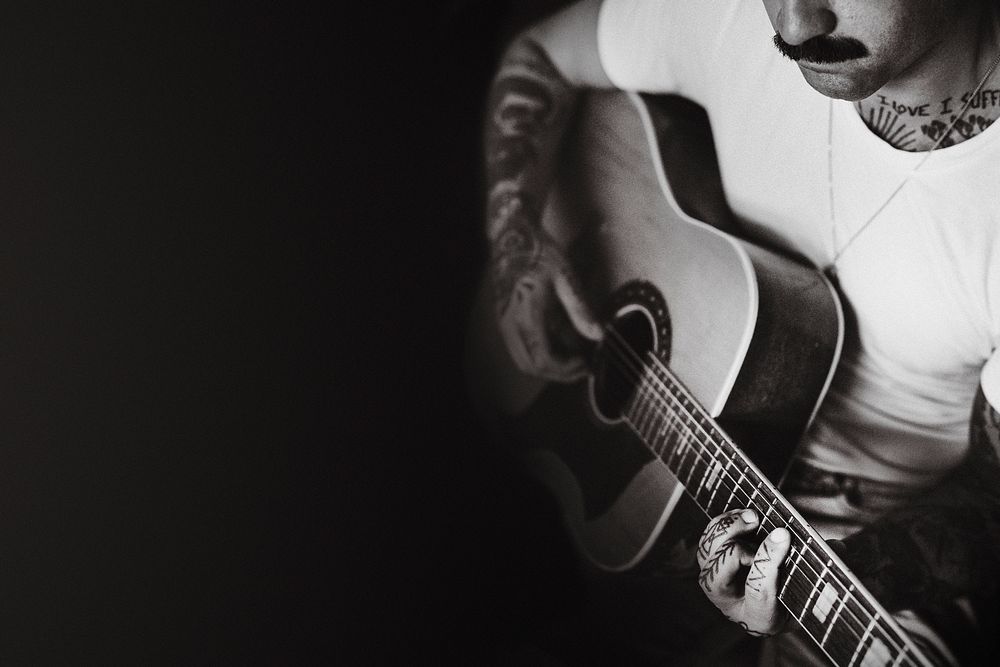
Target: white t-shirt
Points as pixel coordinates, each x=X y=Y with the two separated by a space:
x=923 y=280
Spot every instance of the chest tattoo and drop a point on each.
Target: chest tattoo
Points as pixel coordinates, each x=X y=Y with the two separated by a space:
x=919 y=127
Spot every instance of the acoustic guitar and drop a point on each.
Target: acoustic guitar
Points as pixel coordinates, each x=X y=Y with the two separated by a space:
x=716 y=355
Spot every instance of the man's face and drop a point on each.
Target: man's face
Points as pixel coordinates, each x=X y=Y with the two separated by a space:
x=850 y=49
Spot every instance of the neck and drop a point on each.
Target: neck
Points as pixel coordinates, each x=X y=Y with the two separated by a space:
x=917 y=107
x=827 y=601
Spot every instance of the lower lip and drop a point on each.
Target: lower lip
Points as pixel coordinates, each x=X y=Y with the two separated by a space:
x=830 y=67
x=819 y=67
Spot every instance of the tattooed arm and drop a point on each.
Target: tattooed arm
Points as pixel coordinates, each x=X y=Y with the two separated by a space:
x=946 y=545
x=531 y=101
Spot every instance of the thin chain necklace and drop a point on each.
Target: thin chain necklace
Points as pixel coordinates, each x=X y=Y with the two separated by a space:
x=831 y=268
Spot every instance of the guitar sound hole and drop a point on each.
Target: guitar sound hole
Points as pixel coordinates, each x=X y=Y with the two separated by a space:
x=620 y=360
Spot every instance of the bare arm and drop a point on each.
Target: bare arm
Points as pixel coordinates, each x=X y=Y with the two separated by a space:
x=947 y=545
x=531 y=101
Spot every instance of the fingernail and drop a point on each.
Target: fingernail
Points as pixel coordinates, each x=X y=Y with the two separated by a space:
x=780 y=536
x=749 y=516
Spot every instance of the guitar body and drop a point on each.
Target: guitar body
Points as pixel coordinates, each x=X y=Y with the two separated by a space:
x=753 y=335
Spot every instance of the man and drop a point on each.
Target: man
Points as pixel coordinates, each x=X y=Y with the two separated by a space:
x=859 y=134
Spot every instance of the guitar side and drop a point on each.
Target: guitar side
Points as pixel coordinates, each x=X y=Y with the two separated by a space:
x=753 y=335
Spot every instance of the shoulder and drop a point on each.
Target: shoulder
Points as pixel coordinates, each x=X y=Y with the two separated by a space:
x=676 y=45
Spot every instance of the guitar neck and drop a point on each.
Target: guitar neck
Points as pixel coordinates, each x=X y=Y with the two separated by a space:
x=827 y=600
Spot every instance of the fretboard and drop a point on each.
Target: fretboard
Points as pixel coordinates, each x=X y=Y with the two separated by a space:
x=828 y=602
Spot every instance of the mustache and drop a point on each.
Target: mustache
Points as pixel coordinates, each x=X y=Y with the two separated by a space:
x=822 y=49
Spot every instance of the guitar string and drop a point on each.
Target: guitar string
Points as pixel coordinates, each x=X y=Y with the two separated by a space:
x=905 y=648
x=804 y=548
x=905 y=645
x=851 y=628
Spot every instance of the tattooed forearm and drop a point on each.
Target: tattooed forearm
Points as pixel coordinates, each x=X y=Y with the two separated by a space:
x=948 y=544
x=527 y=111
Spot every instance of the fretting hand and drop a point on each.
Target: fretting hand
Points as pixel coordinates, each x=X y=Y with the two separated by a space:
x=740 y=581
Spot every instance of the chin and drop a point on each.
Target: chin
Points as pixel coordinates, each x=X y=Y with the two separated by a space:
x=838 y=85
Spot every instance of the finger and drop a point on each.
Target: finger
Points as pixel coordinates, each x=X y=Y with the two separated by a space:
x=521 y=325
x=720 y=575
x=515 y=330
x=579 y=313
x=548 y=364
x=563 y=371
x=556 y=367
x=514 y=342
x=762 y=580
x=724 y=527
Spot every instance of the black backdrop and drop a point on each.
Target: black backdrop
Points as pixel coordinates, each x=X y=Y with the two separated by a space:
x=238 y=247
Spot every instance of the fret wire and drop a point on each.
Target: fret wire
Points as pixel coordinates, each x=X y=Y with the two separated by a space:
x=661 y=436
x=815 y=591
x=839 y=652
x=674 y=437
x=848 y=626
x=718 y=484
x=755 y=492
x=643 y=404
x=820 y=629
x=708 y=470
x=864 y=638
x=703 y=476
x=848 y=589
x=687 y=447
x=681 y=400
x=795 y=565
x=680 y=447
x=653 y=425
x=673 y=448
x=836 y=614
x=652 y=412
x=863 y=608
x=898 y=643
x=770 y=507
x=653 y=437
x=821 y=647
x=743 y=475
x=691 y=469
x=646 y=390
x=849 y=646
x=758 y=489
x=766 y=519
x=646 y=395
x=804 y=551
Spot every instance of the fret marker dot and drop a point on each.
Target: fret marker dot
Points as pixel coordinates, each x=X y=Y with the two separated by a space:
x=877 y=655
x=827 y=598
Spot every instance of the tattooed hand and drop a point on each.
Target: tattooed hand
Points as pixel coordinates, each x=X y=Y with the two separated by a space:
x=741 y=582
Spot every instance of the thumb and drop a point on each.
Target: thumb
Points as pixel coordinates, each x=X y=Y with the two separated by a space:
x=579 y=314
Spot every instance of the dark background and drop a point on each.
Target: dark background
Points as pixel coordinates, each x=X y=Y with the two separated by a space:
x=238 y=247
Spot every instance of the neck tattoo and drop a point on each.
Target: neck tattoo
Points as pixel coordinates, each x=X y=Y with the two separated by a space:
x=899 y=137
